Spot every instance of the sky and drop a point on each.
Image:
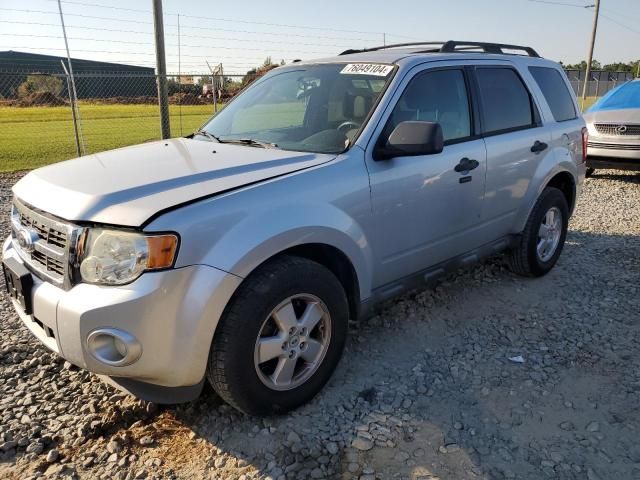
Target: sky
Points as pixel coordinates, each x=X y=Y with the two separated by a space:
x=242 y=33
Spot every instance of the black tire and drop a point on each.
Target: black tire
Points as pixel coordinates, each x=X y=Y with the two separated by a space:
x=590 y=171
x=524 y=259
x=231 y=369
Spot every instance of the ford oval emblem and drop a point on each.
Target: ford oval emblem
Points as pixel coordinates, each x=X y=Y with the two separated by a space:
x=27 y=239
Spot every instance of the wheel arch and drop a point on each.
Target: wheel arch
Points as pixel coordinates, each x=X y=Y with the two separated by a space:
x=330 y=257
x=338 y=263
x=559 y=177
x=564 y=182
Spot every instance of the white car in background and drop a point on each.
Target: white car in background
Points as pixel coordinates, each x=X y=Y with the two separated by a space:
x=614 y=129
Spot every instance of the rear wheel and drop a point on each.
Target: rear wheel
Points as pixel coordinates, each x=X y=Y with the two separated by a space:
x=590 y=171
x=544 y=235
x=280 y=337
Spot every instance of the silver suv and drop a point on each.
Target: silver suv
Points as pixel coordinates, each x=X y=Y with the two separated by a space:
x=238 y=254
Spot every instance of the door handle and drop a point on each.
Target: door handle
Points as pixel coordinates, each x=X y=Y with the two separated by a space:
x=466 y=165
x=538 y=146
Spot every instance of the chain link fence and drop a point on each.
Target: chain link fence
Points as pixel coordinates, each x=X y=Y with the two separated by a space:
x=595 y=88
x=113 y=110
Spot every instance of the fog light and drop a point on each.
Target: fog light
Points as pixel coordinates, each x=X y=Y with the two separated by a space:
x=121 y=347
x=113 y=346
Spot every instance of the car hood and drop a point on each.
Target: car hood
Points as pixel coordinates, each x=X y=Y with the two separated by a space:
x=129 y=185
x=624 y=115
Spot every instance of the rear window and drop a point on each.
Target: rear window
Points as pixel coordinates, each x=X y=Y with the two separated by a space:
x=506 y=104
x=555 y=92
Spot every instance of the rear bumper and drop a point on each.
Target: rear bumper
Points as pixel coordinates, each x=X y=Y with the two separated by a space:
x=170 y=315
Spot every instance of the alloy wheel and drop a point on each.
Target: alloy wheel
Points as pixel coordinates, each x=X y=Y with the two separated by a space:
x=549 y=234
x=292 y=342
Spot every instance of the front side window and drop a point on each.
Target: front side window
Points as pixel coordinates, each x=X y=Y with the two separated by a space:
x=506 y=103
x=315 y=108
x=438 y=96
x=555 y=92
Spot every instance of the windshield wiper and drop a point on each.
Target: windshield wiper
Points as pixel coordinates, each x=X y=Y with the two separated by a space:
x=242 y=141
x=248 y=141
x=204 y=133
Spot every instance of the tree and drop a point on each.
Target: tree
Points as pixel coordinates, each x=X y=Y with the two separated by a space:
x=257 y=72
x=619 y=67
x=609 y=67
x=40 y=84
x=595 y=65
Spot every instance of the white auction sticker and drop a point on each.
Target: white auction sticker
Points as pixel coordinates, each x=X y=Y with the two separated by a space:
x=376 y=69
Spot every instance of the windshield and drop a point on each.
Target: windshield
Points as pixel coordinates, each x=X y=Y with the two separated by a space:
x=625 y=96
x=315 y=108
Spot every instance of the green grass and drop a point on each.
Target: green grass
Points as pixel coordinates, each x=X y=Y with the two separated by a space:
x=35 y=136
x=587 y=102
x=31 y=137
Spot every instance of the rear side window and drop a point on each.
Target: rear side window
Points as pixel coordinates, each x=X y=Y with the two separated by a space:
x=506 y=103
x=555 y=92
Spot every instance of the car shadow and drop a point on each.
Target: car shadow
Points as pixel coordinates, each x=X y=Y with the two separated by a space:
x=618 y=176
x=432 y=385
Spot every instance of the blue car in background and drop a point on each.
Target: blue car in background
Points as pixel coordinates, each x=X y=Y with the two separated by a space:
x=614 y=129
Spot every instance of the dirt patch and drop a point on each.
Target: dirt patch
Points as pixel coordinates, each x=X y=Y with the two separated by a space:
x=41 y=99
x=141 y=100
x=188 y=99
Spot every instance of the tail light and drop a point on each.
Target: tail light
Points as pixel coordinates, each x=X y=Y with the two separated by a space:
x=585 y=140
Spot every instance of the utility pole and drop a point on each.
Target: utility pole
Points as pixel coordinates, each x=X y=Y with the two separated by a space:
x=593 y=42
x=161 y=67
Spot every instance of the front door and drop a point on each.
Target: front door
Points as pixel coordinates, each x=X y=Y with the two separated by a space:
x=424 y=206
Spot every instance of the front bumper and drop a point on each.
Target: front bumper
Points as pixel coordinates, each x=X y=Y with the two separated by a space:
x=604 y=160
x=616 y=152
x=172 y=314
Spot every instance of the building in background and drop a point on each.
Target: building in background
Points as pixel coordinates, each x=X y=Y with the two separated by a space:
x=93 y=79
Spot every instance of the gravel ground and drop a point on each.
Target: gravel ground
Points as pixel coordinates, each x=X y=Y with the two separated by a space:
x=425 y=390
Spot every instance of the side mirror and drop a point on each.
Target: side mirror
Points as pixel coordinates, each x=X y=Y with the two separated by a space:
x=411 y=138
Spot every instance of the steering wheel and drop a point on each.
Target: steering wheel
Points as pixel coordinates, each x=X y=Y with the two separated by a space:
x=349 y=123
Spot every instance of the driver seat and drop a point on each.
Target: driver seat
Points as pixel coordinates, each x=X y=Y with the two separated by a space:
x=359 y=108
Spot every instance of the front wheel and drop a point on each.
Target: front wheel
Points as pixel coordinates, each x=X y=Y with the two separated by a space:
x=543 y=237
x=280 y=337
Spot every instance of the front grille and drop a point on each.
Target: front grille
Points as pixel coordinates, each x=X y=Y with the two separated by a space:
x=613 y=146
x=49 y=233
x=49 y=263
x=50 y=241
x=617 y=129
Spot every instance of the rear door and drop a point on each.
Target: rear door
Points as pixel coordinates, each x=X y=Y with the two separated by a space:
x=515 y=138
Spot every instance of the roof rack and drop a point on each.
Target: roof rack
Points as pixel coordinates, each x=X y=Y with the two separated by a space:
x=453 y=46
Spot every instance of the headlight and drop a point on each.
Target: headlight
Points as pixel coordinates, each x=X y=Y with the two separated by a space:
x=115 y=257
